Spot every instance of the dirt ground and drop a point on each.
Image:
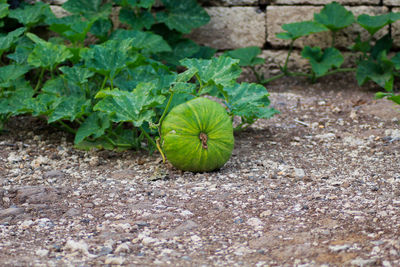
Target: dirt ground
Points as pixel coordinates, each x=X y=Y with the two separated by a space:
x=317 y=185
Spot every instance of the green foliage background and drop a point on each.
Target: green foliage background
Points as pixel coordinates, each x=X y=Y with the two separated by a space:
x=111 y=87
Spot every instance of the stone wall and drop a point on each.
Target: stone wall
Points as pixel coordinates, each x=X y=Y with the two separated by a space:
x=241 y=23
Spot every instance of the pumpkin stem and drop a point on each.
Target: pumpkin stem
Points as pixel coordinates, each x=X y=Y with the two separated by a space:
x=203 y=138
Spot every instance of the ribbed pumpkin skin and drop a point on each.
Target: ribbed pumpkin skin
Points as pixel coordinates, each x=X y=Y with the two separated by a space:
x=181 y=130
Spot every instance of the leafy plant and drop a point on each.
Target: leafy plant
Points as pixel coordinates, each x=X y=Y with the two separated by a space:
x=112 y=88
x=373 y=64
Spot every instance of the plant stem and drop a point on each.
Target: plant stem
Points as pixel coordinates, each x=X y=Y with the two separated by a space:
x=39 y=80
x=200 y=83
x=67 y=127
x=333 y=38
x=273 y=78
x=288 y=56
x=148 y=137
x=165 y=113
x=256 y=74
x=104 y=82
x=340 y=70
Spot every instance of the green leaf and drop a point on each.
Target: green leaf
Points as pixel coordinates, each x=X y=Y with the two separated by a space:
x=380 y=71
x=46 y=54
x=298 y=29
x=110 y=57
x=137 y=21
x=30 y=15
x=374 y=23
x=335 y=17
x=183 y=16
x=101 y=28
x=183 y=49
x=88 y=8
x=10 y=73
x=132 y=77
x=322 y=61
x=249 y=101
x=134 y=107
x=141 y=3
x=70 y=108
x=361 y=46
x=94 y=126
x=220 y=71
x=3 y=10
x=77 y=74
x=204 y=52
x=246 y=55
x=74 y=28
x=9 y=40
x=396 y=61
x=147 y=42
x=395 y=99
x=383 y=44
x=13 y=102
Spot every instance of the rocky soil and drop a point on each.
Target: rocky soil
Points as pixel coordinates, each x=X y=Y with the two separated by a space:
x=317 y=185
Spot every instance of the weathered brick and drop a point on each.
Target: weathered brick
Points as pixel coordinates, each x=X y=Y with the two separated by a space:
x=232 y=27
x=396 y=30
x=279 y=15
x=391 y=2
x=324 y=2
x=59 y=11
x=228 y=2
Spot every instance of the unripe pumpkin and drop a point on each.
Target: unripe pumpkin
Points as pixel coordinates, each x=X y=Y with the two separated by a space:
x=197 y=136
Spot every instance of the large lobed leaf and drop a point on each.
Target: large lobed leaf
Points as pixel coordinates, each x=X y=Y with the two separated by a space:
x=74 y=28
x=88 y=8
x=374 y=23
x=147 y=42
x=110 y=57
x=322 y=61
x=220 y=71
x=335 y=17
x=10 y=73
x=134 y=107
x=380 y=71
x=246 y=55
x=46 y=54
x=137 y=21
x=249 y=101
x=298 y=29
x=30 y=15
x=183 y=16
x=9 y=40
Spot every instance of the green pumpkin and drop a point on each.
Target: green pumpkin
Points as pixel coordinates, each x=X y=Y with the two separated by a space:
x=197 y=136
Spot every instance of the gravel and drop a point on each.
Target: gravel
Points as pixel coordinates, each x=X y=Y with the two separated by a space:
x=317 y=185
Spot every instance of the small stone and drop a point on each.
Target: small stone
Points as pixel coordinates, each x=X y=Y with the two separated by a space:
x=94 y=161
x=26 y=224
x=74 y=246
x=114 y=260
x=148 y=240
x=256 y=223
x=72 y=212
x=53 y=174
x=13 y=158
x=362 y=263
x=337 y=248
x=11 y=212
x=42 y=252
x=299 y=173
x=88 y=205
x=186 y=258
x=239 y=220
x=266 y=213
x=325 y=137
x=105 y=251
x=123 y=248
